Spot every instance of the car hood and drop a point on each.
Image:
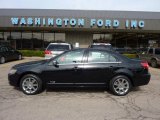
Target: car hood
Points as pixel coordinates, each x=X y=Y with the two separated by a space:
x=29 y=64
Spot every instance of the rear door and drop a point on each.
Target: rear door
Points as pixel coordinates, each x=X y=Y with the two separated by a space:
x=99 y=67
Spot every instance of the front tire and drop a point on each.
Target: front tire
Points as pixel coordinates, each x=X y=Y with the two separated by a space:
x=120 y=85
x=31 y=84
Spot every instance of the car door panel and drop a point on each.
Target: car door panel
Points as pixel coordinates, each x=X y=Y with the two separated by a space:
x=63 y=73
x=68 y=69
x=99 y=67
x=99 y=72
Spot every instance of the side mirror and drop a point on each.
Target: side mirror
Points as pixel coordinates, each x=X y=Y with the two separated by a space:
x=55 y=63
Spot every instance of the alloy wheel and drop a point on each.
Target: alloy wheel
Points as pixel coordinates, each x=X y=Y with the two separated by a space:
x=121 y=86
x=30 y=85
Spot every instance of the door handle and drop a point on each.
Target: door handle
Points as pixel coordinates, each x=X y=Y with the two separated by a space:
x=75 y=68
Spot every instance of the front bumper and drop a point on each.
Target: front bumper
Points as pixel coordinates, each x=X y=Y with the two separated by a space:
x=13 y=79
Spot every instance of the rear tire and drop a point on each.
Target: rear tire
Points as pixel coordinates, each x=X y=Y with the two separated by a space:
x=2 y=60
x=31 y=84
x=154 y=63
x=120 y=85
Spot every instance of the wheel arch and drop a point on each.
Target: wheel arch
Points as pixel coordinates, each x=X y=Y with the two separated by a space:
x=25 y=73
x=126 y=73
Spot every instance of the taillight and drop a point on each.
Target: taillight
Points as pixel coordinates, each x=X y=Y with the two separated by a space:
x=47 y=52
x=145 y=64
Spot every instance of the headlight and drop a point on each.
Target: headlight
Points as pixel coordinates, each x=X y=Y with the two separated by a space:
x=12 y=71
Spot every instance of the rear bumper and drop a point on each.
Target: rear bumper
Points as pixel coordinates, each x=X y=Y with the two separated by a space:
x=142 y=79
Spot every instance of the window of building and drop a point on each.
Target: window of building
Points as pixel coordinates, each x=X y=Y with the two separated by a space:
x=27 y=42
x=59 y=36
x=37 y=40
x=48 y=38
x=102 y=38
x=16 y=40
x=53 y=37
x=1 y=36
x=16 y=35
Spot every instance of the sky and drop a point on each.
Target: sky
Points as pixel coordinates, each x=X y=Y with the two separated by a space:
x=120 y=5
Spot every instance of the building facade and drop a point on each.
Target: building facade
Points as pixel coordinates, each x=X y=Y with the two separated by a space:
x=36 y=28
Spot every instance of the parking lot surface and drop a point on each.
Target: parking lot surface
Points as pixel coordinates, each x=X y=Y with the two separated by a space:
x=142 y=103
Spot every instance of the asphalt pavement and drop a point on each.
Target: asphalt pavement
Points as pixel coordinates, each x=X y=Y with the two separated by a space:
x=142 y=103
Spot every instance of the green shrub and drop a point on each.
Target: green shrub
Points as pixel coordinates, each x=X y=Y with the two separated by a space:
x=30 y=53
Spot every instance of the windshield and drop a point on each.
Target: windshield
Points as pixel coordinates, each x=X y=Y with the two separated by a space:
x=58 y=47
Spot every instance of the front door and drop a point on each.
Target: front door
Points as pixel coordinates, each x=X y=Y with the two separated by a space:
x=67 y=70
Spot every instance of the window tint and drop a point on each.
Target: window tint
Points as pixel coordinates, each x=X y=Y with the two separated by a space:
x=100 y=56
x=71 y=57
x=58 y=47
x=4 y=49
x=10 y=49
x=151 y=51
x=157 y=51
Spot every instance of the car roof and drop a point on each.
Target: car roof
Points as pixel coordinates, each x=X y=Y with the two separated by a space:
x=101 y=44
x=94 y=49
x=59 y=44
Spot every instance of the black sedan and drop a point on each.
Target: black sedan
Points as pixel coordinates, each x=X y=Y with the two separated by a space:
x=81 y=68
x=7 y=54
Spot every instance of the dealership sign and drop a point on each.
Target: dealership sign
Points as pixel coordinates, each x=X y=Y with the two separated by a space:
x=59 y=22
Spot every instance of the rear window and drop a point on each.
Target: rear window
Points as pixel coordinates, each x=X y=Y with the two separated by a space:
x=157 y=51
x=58 y=47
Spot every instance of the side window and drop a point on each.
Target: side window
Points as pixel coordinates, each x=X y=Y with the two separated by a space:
x=10 y=49
x=4 y=49
x=157 y=51
x=151 y=51
x=100 y=56
x=71 y=57
x=112 y=59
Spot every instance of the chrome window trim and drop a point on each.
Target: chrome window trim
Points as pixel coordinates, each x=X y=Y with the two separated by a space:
x=104 y=62
x=91 y=63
